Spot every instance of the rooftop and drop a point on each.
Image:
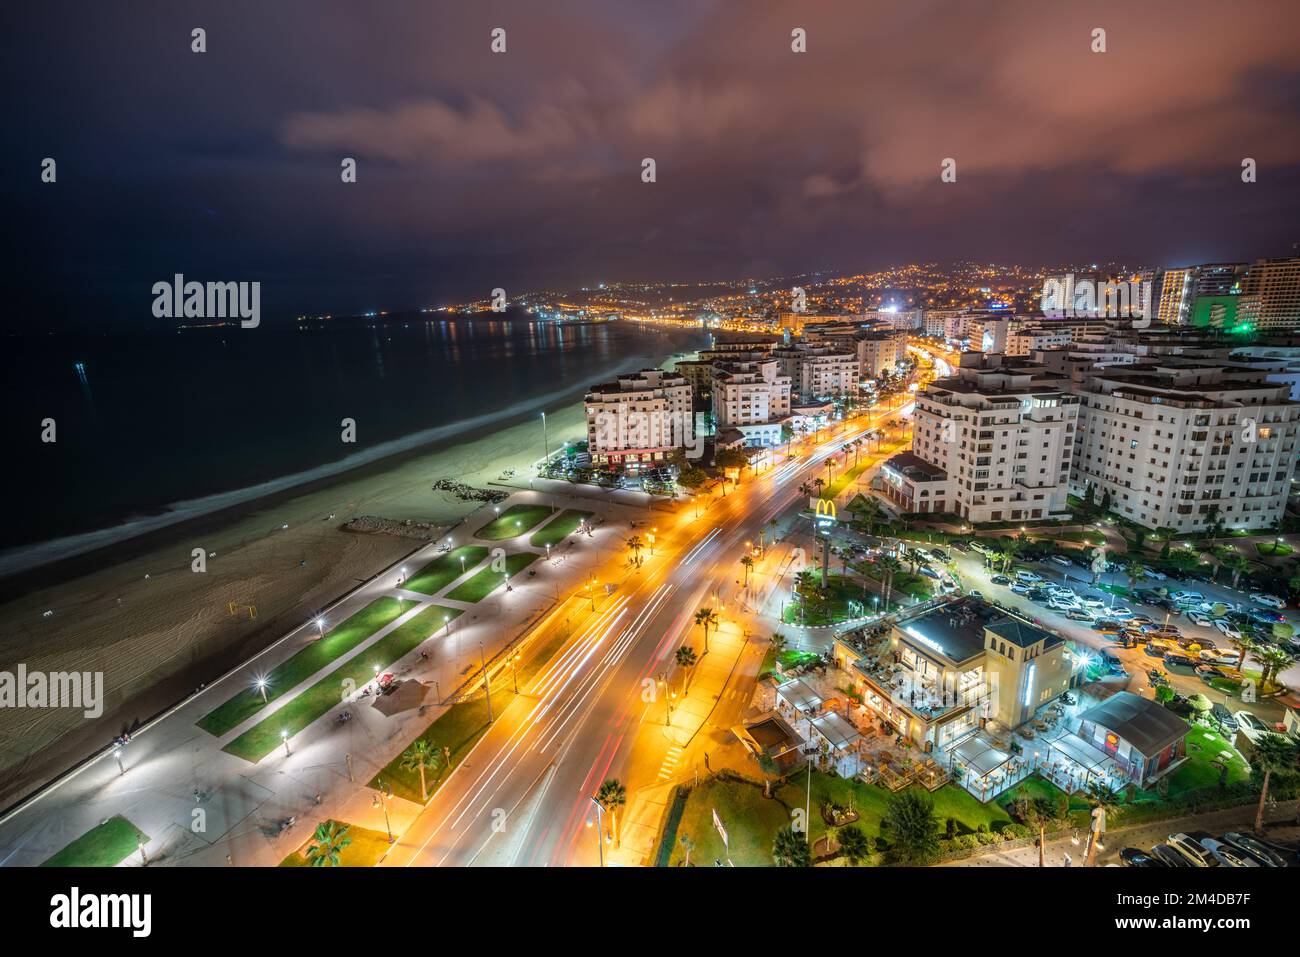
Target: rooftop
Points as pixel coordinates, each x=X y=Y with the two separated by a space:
x=1145 y=725
x=912 y=466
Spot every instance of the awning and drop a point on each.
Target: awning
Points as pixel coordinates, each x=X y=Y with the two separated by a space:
x=1082 y=753
x=979 y=755
x=836 y=730
x=799 y=695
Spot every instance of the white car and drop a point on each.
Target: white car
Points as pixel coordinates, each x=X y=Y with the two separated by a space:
x=1200 y=618
x=1186 y=596
x=1062 y=604
x=1119 y=614
x=978 y=546
x=1061 y=560
x=1268 y=601
x=1152 y=573
x=1092 y=602
x=1227 y=628
x=1250 y=726
x=1025 y=575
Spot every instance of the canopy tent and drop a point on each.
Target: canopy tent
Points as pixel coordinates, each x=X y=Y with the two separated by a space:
x=979 y=755
x=837 y=732
x=1073 y=763
x=799 y=695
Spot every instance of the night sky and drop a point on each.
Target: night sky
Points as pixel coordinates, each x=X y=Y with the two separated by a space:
x=522 y=170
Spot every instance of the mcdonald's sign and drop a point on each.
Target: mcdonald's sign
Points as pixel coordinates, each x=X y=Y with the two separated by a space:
x=826 y=509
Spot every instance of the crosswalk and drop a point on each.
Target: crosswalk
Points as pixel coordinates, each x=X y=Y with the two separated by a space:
x=669 y=766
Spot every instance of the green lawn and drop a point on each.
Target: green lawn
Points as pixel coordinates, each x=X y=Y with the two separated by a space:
x=1273 y=549
x=1198 y=772
x=265 y=736
x=305 y=663
x=515 y=520
x=559 y=528
x=107 y=845
x=841 y=481
x=458 y=728
x=790 y=659
x=752 y=820
x=831 y=607
x=366 y=850
x=445 y=569
x=487 y=581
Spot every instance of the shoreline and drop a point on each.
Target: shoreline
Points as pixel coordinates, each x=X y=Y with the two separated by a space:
x=136 y=612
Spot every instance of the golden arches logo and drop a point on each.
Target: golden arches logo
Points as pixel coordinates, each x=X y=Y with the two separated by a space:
x=826 y=506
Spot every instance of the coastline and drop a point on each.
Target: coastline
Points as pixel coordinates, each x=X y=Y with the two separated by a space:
x=158 y=637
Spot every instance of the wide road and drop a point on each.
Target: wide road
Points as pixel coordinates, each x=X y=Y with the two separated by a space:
x=527 y=784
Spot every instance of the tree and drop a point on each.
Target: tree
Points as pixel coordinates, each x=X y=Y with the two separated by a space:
x=330 y=839
x=889 y=567
x=635 y=545
x=1100 y=797
x=612 y=796
x=853 y=843
x=1273 y=661
x=1164 y=694
x=1166 y=534
x=1135 y=571
x=748 y=562
x=689 y=845
x=1213 y=522
x=685 y=658
x=819 y=484
x=1274 y=754
x=420 y=755
x=789 y=849
x=709 y=619
x=1236 y=563
x=1245 y=646
x=913 y=827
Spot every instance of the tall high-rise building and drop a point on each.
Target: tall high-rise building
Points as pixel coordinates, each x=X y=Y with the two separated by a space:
x=1270 y=296
x=640 y=418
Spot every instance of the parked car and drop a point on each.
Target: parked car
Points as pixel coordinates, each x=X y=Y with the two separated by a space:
x=1078 y=614
x=1136 y=857
x=1265 y=617
x=1060 y=560
x=975 y=593
x=1020 y=588
x=1250 y=726
x=978 y=546
x=1119 y=613
x=960 y=546
x=1025 y=575
x=1192 y=849
x=1000 y=580
x=1227 y=628
x=1107 y=626
x=1270 y=601
x=1220 y=713
x=1200 y=618
x=1209 y=672
x=1267 y=854
x=1182 y=597
x=1152 y=573
x=1177 y=659
x=1169 y=857
x=1214 y=656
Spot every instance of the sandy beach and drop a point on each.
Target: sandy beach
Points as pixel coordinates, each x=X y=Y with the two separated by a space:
x=157 y=630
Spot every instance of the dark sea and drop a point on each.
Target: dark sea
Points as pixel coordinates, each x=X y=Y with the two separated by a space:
x=154 y=428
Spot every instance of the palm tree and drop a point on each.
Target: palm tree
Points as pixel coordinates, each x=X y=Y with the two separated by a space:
x=748 y=562
x=889 y=567
x=420 y=755
x=1273 y=753
x=330 y=839
x=612 y=796
x=789 y=849
x=772 y=525
x=1166 y=535
x=853 y=843
x=685 y=658
x=1135 y=571
x=1098 y=796
x=819 y=484
x=1245 y=646
x=1273 y=660
x=709 y=619
x=635 y=545
x=1236 y=563
x=779 y=641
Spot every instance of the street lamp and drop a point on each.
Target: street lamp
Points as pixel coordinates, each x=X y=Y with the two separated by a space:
x=284 y=736
x=446 y=623
x=462 y=564
x=117 y=753
x=380 y=799
x=320 y=627
x=600 y=829
x=514 y=669
x=261 y=686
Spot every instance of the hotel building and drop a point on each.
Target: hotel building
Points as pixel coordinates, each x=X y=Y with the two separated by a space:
x=639 y=419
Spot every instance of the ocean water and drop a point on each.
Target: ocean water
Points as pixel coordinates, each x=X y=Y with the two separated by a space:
x=155 y=428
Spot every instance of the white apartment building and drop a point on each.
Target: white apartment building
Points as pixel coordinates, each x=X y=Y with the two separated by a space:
x=878 y=352
x=818 y=372
x=1003 y=432
x=639 y=419
x=1177 y=440
x=753 y=398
